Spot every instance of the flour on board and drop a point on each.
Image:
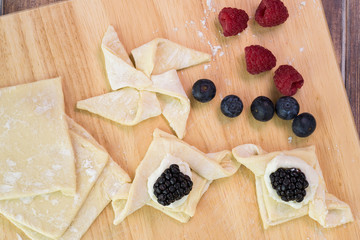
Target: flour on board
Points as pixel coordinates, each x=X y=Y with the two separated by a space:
x=12 y=177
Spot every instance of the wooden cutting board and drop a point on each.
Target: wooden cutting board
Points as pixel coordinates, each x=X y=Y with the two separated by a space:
x=64 y=40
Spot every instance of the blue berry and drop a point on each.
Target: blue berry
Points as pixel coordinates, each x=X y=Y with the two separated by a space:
x=204 y=90
x=231 y=106
x=304 y=125
x=287 y=108
x=262 y=108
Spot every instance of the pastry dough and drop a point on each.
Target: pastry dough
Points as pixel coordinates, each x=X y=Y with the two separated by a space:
x=175 y=105
x=161 y=55
x=112 y=180
x=324 y=208
x=36 y=155
x=120 y=70
x=205 y=169
x=51 y=214
x=137 y=99
x=127 y=106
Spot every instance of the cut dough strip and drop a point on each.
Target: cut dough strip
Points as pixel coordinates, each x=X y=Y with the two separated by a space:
x=205 y=168
x=325 y=208
x=161 y=55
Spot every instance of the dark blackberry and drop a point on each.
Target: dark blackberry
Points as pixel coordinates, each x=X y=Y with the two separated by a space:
x=172 y=185
x=289 y=183
x=204 y=90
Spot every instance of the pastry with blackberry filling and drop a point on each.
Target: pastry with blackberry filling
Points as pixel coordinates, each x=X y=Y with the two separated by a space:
x=172 y=177
x=290 y=184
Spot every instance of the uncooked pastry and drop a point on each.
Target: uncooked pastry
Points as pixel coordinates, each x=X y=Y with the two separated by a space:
x=161 y=55
x=112 y=180
x=127 y=106
x=205 y=168
x=36 y=155
x=175 y=105
x=324 y=208
x=51 y=214
x=120 y=70
x=140 y=97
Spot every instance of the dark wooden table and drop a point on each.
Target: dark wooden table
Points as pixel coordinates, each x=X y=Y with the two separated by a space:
x=343 y=18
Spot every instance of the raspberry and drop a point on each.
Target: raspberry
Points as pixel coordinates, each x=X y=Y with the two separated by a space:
x=233 y=21
x=271 y=13
x=259 y=59
x=288 y=80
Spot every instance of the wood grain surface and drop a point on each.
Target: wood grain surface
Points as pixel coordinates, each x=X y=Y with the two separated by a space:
x=343 y=20
x=64 y=39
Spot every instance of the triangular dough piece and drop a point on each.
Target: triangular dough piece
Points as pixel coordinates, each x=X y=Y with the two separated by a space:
x=174 y=102
x=324 y=208
x=119 y=68
x=112 y=180
x=126 y=106
x=51 y=214
x=111 y=42
x=205 y=168
x=161 y=55
x=31 y=115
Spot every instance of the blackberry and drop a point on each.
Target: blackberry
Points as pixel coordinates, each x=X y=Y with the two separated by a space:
x=304 y=125
x=262 y=108
x=289 y=183
x=231 y=106
x=172 y=185
x=287 y=108
x=204 y=90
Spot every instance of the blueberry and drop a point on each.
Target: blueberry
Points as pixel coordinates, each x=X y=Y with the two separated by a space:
x=231 y=106
x=262 y=108
x=204 y=90
x=304 y=125
x=287 y=108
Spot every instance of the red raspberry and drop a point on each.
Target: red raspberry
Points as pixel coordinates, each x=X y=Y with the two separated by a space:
x=271 y=13
x=259 y=59
x=288 y=80
x=233 y=21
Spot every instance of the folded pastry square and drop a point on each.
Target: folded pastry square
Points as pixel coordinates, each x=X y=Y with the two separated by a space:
x=140 y=95
x=130 y=104
x=290 y=184
x=172 y=178
x=36 y=154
